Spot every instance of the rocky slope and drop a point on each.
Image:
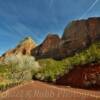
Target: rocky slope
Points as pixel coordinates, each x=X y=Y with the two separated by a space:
x=47 y=48
x=24 y=47
x=77 y=35
x=86 y=76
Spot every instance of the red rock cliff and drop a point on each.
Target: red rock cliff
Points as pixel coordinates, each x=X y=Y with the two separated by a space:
x=77 y=36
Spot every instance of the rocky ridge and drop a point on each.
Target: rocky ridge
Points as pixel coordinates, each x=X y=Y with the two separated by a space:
x=77 y=36
x=24 y=48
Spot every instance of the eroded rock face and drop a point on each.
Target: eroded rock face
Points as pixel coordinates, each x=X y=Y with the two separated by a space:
x=48 y=47
x=77 y=36
x=87 y=76
x=89 y=27
x=81 y=34
x=24 y=47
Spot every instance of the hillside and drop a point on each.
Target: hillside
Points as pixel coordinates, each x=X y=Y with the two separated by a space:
x=47 y=48
x=86 y=76
x=24 y=48
x=54 y=70
x=79 y=46
x=17 y=65
x=77 y=36
x=57 y=60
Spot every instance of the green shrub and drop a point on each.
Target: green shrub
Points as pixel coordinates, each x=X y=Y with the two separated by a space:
x=8 y=84
x=22 y=67
x=52 y=69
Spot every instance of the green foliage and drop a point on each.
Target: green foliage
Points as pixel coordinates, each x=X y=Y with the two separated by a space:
x=5 y=78
x=16 y=69
x=22 y=67
x=19 y=67
x=8 y=84
x=3 y=69
x=51 y=69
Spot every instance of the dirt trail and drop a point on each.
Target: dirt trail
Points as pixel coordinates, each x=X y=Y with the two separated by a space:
x=40 y=91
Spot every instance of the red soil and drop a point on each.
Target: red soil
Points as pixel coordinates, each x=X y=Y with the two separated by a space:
x=40 y=91
x=81 y=76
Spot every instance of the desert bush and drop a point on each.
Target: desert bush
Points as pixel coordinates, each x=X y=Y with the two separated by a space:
x=22 y=67
x=52 y=69
x=8 y=84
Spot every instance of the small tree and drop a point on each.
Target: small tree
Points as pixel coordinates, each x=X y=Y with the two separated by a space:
x=22 y=66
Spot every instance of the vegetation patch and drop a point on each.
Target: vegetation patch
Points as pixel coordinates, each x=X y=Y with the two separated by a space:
x=19 y=68
x=16 y=69
x=53 y=69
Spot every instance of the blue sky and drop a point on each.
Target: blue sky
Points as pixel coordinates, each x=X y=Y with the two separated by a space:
x=37 y=18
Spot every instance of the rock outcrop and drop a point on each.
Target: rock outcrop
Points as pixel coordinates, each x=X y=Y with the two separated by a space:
x=87 y=76
x=24 y=47
x=81 y=34
x=77 y=36
x=47 y=48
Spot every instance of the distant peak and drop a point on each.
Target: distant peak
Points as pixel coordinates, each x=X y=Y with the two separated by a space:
x=27 y=40
x=50 y=35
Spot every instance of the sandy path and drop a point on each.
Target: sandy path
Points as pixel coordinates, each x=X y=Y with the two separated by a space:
x=40 y=91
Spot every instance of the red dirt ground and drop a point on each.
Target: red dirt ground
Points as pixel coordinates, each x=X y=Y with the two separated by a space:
x=41 y=91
